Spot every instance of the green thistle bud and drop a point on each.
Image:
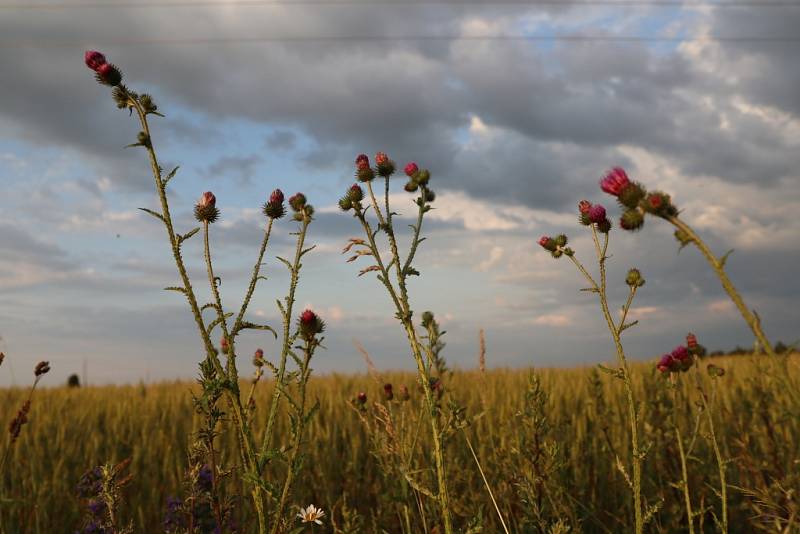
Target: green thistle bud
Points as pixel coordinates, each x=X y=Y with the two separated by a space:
x=634 y=278
x=429 y=195
x=631 y=220
x=355 y=193
x=631 y=195
x=561 y=240
x=557 y=253
x=604 y=226
x=427 y=318
x=345 y=204
x=411 y=186
x=682 y=237
x=569 y=252
x=422 y=177
x=143 y=139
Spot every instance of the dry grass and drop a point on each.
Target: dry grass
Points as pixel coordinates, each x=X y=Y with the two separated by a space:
x=571 y=478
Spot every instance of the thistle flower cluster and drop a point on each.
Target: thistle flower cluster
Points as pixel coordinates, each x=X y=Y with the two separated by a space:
x=593 y=214
x=635 y=199
x=385 y=168
x=556 y=246
x=682 y=357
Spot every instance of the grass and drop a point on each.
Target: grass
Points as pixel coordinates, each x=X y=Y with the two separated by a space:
x=546 y=474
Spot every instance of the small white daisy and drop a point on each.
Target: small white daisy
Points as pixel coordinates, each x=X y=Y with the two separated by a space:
x=311 y=514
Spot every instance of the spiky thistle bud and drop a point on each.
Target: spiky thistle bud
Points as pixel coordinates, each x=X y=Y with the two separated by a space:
x=345 y=204
x=364 y=172
x=41 y=369
x=634 y=278
x=411 y=186
x=411 y=169
x=423 y=177
x=310 y=325
x=691 y=341
x=94 y=59
x=258 y=358
x=429 y=195
x=206 y=208
x=631 y=220
x=355 y=193
x=630 y=195
x=297 y=201
x=604 y=227
x=385 y=166
x=362 y=398
x=427 y=318
x=548 y=243
x=274 y=208
x=388 y=394
x=561 y=240
x=597 y=214
x=108 y=74
x=658 y=203
x=584 y=206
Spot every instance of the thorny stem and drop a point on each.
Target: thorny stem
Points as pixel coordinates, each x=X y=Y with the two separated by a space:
x=287 y=339
x=723 y=487
x=305 y=372
x=404 y=314
x=211 y=353
x=718 y=265
x=615 y=330
x=237 y=324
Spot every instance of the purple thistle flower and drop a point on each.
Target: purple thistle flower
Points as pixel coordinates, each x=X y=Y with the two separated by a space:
x=597 y=214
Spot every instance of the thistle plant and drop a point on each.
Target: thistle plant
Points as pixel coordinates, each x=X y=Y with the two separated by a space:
x=638 y=202
x=220 y=379
x=594 y=217
x=401 y=270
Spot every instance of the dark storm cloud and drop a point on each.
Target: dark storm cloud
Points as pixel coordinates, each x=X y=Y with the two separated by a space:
x=242 y=169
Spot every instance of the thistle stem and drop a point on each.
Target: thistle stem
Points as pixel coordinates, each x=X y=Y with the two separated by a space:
x=684 y=471
x=723 y=486
x=211 y=353
x=287 y=339
x=718 y=265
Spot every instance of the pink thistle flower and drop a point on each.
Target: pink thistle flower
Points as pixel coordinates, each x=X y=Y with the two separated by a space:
x=276 y=197
x=94 y=59
x=362 y=161
x=615 y=181
x=308 y=318
x=381 y=158
x=691 y=340
x=411 y=169
x=362 y=398
x=597 y=214
x=584 y=206
x=680 y=353
x=207 y=200
x=665 y=363
x=655 y=201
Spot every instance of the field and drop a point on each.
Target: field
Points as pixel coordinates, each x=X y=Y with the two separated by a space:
x=548 y=450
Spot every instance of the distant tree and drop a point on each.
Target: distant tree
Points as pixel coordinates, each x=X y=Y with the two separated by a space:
x=73 y=381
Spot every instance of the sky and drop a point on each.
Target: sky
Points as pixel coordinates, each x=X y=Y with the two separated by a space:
x=517 y=108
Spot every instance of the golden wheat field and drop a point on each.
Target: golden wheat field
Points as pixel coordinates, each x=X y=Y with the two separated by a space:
x=546 y=439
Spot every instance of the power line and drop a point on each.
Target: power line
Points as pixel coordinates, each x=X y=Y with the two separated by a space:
x=356 y=38
x=401 y=3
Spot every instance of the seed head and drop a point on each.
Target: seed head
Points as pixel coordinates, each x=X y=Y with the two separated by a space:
x=41 y=368
x=388 y=394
